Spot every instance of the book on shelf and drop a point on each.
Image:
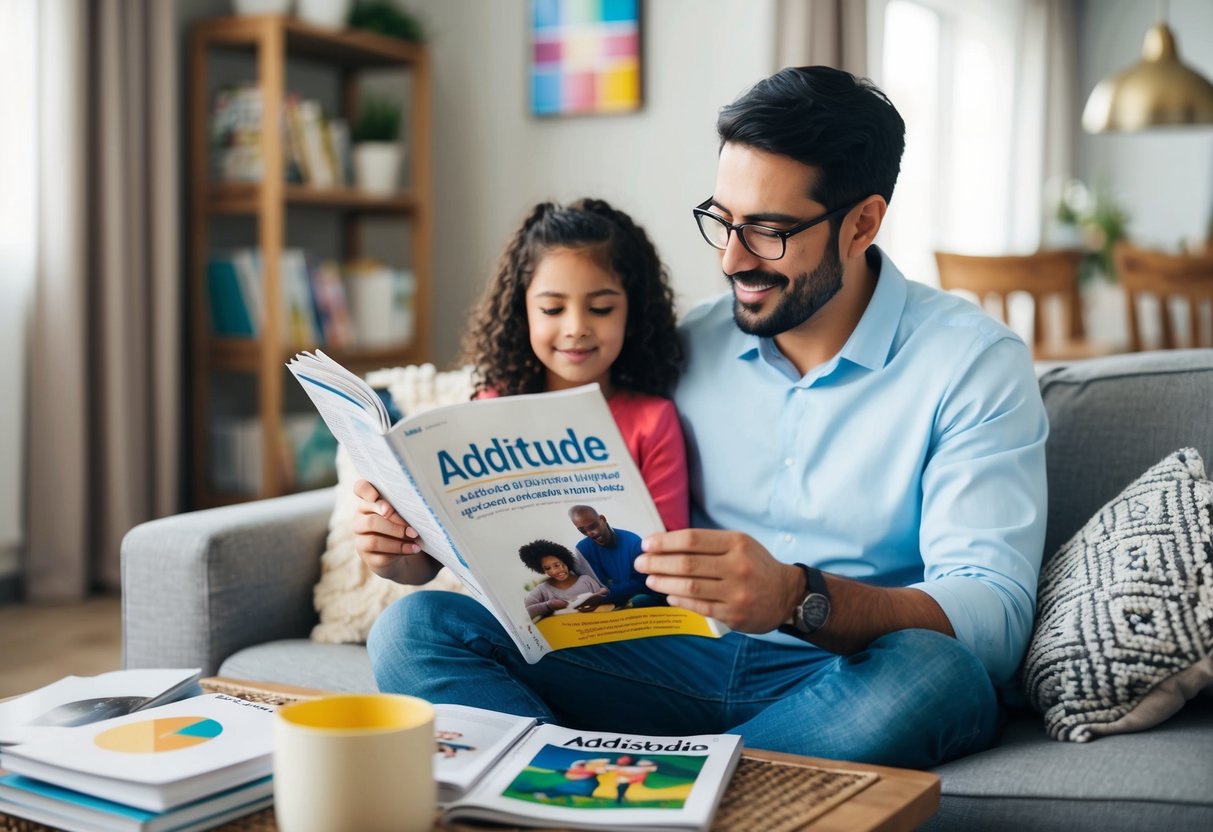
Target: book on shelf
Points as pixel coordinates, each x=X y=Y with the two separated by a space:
x=60 y=808
x=506 y=769
x=159 y=758
x=315 y=148
x=481 y=479
x=313 y=309
x=80 y=700
x=306 y=458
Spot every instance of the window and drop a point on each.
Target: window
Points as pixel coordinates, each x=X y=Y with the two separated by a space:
x=949 y=66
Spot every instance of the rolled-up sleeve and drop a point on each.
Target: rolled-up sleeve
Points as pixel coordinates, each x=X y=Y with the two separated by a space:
x=984 y=503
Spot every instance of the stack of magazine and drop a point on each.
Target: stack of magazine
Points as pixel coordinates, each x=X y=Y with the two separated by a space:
x=189 y=764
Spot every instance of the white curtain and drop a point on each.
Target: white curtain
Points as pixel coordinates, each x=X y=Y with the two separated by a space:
x=104 y=331
x=987 y=88
x=822 y=32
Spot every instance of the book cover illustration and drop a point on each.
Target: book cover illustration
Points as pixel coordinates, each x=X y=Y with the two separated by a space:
x=567 y=777
x=79 y=700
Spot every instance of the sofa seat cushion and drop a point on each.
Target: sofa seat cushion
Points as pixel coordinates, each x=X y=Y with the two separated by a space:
x=304 y=663
x=1159 y=779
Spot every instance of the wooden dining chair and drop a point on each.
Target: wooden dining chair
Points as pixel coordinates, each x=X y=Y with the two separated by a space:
x=1167 y=278
x=1043 y=275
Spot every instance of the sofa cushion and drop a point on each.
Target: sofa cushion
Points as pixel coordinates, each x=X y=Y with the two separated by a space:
x=1124 y=625
x=304 y=663
x=1156 y=780
x=1111 y=418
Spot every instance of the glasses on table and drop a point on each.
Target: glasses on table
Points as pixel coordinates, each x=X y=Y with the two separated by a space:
x=759 y=240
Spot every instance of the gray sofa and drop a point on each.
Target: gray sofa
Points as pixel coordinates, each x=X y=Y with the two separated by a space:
x=230 y=590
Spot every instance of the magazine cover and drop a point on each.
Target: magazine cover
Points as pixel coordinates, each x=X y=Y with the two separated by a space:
x=587 y=779
x=534 y=501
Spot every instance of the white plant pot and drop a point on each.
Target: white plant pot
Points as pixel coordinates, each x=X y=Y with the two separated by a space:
x=261 y=6
x=377 y=166
x=330 y=14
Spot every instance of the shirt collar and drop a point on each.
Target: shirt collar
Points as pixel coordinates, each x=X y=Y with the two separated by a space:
x=869 y=344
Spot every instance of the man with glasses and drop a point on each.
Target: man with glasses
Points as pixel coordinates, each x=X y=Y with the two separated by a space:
x=867 y=475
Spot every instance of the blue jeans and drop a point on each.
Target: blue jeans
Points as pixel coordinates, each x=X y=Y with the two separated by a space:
x=914 y=698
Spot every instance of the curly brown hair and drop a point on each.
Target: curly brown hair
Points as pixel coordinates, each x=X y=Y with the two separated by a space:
x=533 y=553
x=498 y=341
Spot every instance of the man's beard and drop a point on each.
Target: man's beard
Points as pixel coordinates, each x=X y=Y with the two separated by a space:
x=808 y=294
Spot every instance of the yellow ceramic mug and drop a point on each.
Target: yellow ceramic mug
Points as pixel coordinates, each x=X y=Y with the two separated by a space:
x=359 y=763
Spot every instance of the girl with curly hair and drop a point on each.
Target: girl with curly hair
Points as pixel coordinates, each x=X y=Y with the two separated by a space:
x=581 y=296
x=564 y=589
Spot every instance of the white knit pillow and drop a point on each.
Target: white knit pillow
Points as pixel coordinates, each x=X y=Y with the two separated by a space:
x=1124 y=626
x=349 y=596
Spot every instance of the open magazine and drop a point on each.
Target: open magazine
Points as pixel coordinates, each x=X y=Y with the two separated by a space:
x=507 y=769
x=80 y=700
x=480 y=480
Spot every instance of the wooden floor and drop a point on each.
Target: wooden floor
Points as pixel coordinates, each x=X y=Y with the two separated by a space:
x=40 y=643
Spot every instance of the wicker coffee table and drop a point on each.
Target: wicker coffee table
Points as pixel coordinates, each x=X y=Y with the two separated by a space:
x=769 y=792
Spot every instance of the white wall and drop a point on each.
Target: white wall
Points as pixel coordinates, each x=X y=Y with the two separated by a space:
x=1164 y=177
x=493 y=160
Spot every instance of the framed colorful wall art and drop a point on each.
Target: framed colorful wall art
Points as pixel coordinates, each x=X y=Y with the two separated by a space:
x=585 y=57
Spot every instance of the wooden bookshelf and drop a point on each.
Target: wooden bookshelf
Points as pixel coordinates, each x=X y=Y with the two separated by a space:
x=272 y=39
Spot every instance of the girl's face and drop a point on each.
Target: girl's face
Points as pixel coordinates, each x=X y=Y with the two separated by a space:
x=554 y=568
x=577 y=312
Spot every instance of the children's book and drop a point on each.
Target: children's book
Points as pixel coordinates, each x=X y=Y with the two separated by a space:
x=566 y=778
x=480 y=480
x=62 y=808
x=159 y=758
x=79 y=700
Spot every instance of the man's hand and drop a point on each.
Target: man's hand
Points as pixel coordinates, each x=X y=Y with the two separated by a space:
x=722 y=574
x=387 y=544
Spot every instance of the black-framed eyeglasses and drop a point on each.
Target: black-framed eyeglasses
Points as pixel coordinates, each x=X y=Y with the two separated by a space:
x=759 y=240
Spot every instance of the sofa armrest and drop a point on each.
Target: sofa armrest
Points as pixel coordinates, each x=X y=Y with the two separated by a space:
x=197 y=587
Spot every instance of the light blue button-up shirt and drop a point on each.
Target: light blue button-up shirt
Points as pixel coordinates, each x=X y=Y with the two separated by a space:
x=914 y=457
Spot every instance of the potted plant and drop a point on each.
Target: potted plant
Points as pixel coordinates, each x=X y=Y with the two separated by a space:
x=377 y=151
x=330 y=14
x=385 y=18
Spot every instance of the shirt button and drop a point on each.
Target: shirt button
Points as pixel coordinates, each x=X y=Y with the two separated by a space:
x=787 y=538
x=789 y=462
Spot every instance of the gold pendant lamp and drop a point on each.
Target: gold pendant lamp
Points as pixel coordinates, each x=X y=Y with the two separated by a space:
x=1159 y=91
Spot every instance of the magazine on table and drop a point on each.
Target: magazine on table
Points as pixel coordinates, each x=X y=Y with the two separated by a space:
x=560 y=777
x=80 y=700
x=159 y=758
x=479 y=480
x=61 y=808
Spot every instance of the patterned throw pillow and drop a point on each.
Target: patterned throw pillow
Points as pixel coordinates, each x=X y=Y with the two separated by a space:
x=1124 y=626
x=349 y=596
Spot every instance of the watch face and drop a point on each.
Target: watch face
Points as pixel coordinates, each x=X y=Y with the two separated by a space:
x=814 y=610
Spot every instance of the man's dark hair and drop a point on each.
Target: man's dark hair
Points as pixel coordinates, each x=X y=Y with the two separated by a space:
x=533 y=553
x=842 y=125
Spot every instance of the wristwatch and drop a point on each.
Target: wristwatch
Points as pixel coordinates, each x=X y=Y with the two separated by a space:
x=811 y=614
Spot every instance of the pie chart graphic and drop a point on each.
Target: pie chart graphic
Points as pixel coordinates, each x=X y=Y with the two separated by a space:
x=153 y=736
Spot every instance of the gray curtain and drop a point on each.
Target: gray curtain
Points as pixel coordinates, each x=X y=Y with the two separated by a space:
x=822 y=32
x=104 y=409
